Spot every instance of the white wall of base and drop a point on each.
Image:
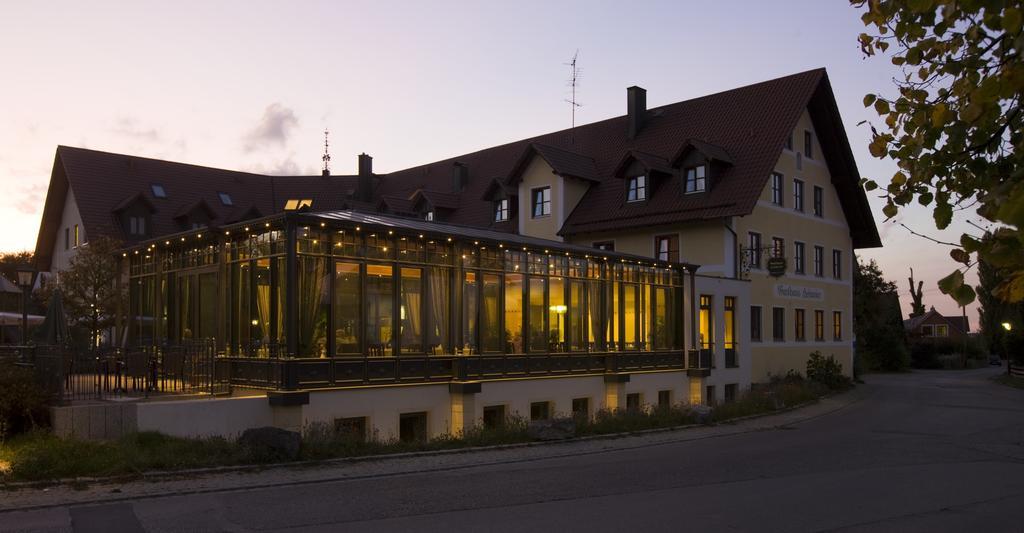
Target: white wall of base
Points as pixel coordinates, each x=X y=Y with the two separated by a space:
x=382 y=406
x=225 y=417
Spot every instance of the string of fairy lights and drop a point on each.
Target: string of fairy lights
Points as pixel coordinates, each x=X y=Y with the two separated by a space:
x=249 y=234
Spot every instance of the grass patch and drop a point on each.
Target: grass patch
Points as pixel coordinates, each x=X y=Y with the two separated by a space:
x=1015 y=382
x=40 y=456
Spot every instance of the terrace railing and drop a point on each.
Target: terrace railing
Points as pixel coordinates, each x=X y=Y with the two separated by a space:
x=295 y=374
x=108 y=374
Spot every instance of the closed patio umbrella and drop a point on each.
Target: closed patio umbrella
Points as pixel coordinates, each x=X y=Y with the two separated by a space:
x=54 y=330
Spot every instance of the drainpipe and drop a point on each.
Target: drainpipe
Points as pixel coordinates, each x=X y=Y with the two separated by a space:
x=735 y=246
x=692 y=270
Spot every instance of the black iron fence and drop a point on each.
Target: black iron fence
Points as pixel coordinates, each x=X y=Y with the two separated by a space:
x=108 y=374
x=294 y=374
x=197 y=368
x=699 y=359
x=731 y=360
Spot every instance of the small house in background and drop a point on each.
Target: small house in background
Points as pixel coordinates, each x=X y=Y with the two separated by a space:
x=934 y=325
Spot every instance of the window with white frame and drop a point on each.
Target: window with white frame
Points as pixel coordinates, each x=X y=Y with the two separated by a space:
x=754 y=249
x=429 y=217
x=798 y=195
x=777 y=189
x=501 y=210
x=696 y=179
x=819 y=200
x=636 y=191
x=778 y=247
x=136 y=225
x=819 y=261
x=837 y=264
x=798 y=257
x=667 y=247
x=541 y=200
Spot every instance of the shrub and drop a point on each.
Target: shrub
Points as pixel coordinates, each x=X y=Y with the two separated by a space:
x=626 y=420
x=947 y=353
x=826 y=371
x=1014 y=343
x=22 y=401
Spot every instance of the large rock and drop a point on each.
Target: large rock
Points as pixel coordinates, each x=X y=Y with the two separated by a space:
x=553 y=429
x=271 y=444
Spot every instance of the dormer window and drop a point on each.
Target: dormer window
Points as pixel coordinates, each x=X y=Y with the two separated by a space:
x=696 y=179
x=225 y=198
x=636 y=190
x=137 y=225
x=501 y=210
x=429 y=217
x=541 y=199
x=158 y=190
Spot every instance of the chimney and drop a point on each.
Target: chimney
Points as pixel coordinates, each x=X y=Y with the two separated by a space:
x=460 y=176
x=636 y=109
x=364 y=189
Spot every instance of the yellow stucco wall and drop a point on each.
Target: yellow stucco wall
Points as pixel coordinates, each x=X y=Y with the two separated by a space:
x=830 y=232
x=713 y=245
x=701 y=243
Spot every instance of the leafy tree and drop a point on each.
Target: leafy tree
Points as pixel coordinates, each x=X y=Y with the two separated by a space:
x=954 y=123
x=993 y=311
x=9 y=264
x=877 y=320
x=90 y=289
x=10 y=261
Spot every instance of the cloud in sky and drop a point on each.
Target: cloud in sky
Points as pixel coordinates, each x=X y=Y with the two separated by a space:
x=30 y=199
x=129 y=127
x=273 y=129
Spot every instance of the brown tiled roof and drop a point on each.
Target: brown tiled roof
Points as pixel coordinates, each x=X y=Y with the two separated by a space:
x=102 y=181
x=437 y=199
x=394 y=204
x=958 y=322
x=563 y=162
x=709 y=150
x=747 y=126
x=649 y=162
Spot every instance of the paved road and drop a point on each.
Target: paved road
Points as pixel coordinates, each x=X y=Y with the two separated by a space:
x=928 y=451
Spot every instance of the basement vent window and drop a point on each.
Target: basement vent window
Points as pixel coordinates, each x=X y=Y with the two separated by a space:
x=295 y=205
x=225 y=199
x=158 y=191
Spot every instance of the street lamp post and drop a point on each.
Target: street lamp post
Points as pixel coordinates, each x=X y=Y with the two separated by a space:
x=1009 y=358
x=26 y=277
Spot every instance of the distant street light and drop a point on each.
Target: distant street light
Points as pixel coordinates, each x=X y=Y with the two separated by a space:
x=26 y=277
x=1007 y=326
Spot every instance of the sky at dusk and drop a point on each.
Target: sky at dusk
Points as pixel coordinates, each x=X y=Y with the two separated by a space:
x=252 y=85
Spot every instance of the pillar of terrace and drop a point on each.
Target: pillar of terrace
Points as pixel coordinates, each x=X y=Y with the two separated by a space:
x=463 y=404
x=615 y=391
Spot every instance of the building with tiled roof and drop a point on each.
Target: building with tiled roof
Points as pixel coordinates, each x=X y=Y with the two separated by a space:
x=758 y=185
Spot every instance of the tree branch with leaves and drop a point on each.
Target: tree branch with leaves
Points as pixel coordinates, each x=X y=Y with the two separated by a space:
x=953 y=123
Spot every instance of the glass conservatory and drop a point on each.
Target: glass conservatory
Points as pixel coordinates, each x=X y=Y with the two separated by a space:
x=348 y=285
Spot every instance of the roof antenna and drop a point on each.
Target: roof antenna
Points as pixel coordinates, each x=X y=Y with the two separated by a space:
x=327 y=156
x=574 y=81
